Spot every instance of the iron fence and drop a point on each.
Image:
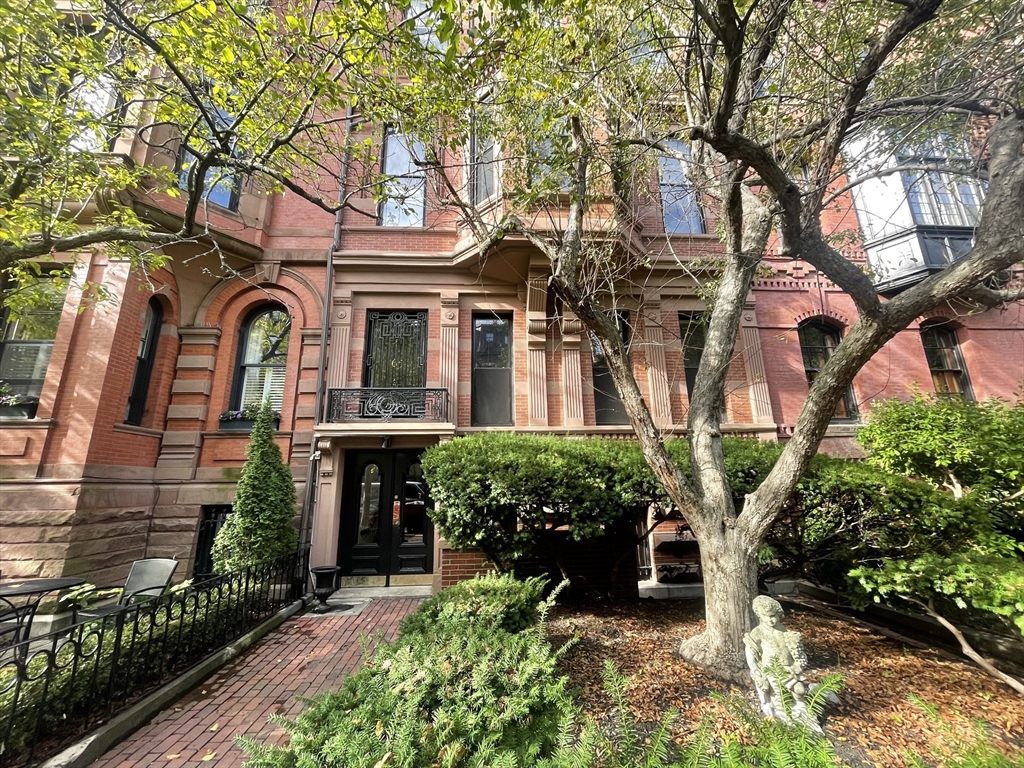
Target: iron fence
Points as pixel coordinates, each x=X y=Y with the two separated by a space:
x=55 y=687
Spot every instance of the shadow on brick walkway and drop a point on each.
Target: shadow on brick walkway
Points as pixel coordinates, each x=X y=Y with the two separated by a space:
x=301 y=657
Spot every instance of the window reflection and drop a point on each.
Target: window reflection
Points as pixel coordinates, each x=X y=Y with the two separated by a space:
x=369 y=505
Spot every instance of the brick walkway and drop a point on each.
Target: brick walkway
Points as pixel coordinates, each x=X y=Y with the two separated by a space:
x=301 y=657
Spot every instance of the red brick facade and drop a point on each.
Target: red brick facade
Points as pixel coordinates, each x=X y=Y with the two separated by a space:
x=84 y=493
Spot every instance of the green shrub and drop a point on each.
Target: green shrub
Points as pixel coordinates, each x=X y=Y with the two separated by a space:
x=486 y=603
x=970 y=448
x=873 y=535
x=261 y=526
x=502 y=492
x=482 y=697
x=845 y=514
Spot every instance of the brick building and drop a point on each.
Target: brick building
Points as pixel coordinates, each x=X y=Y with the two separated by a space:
x=126 y=456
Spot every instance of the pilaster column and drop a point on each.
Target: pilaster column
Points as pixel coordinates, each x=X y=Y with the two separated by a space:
x=341 y=338
x=449 y=357
x=657 y=371
x=572 y=377
x=327 y=515
x=753 y=363
x=536 y=353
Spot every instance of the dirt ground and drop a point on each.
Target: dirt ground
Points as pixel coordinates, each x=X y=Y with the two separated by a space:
x=875 y=725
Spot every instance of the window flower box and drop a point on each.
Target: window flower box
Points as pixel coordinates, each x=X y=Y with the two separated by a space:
x=242 y=421
x=17 y=407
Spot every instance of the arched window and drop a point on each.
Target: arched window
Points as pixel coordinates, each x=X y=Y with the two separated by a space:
x=817 y=343
x=262 y=355
x=942 y=351
x=144 y=358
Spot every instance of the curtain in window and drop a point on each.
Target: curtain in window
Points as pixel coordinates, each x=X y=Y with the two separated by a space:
x=264 y=356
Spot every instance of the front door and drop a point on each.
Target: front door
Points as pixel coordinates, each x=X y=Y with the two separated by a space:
x=385 y=529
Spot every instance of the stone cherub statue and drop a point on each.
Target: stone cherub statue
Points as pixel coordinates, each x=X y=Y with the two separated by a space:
x=777 y=660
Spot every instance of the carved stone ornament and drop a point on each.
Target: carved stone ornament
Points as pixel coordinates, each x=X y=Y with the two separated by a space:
x=777 y=661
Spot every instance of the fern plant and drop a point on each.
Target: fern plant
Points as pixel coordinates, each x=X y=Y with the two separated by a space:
x=973 y=749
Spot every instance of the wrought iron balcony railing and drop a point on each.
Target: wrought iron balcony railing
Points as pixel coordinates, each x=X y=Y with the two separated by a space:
x=387 y=404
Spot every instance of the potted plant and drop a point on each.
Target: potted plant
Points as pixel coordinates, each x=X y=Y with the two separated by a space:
x=242 y=420
x=14 y=405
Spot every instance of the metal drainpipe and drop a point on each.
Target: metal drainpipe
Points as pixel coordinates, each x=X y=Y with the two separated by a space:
x=312 y=473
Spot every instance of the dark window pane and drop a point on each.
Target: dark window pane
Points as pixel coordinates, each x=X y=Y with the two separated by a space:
x=144 y=359
x=817 y=343
x=942 y=352
x=492 y=385
x=396 y=349
x=608 y=408
x=692 y=329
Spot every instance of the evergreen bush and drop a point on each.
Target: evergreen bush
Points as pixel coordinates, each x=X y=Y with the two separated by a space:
x=488 y=602
x=261 y=526
x=485 y=696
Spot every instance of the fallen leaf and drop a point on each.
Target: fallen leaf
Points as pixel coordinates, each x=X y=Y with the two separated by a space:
x=214 y=727
x=173 y=757
x=209 y=757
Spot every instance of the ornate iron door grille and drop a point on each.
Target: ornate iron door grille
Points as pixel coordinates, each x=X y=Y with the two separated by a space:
x=396 y=350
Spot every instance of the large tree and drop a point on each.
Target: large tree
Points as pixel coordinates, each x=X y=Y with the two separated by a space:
x=119 y=118
x=772 y=100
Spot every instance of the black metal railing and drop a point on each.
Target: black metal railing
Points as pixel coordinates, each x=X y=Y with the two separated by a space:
x=55 y=687
x=387 y=404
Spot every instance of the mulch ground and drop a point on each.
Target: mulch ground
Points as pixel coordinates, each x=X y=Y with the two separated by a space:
x=875 y=725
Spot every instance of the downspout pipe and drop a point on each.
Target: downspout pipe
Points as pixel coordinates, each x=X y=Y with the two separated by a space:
x=313 y=471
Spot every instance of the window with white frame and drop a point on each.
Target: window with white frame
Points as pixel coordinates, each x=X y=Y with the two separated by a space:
x=27 y=336
x=424 y=25
x=405 y=183
x=942 y=198
x=679 y=200
x=220 y=184
x=262 y=358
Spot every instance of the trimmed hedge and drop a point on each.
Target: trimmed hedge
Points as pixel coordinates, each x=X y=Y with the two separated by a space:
x=502 y=492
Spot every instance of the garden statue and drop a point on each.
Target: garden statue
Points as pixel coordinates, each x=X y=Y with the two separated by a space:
x=776 y=659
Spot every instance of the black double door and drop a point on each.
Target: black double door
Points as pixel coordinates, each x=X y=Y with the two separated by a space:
x=385 y=527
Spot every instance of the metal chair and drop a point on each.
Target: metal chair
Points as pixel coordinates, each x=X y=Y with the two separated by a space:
x=16 y=621
x=147 y=579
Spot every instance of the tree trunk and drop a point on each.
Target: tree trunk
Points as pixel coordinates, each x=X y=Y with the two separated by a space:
x=729 y=566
